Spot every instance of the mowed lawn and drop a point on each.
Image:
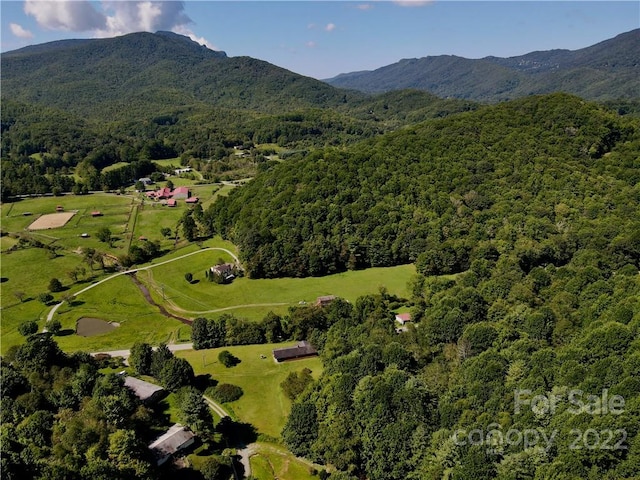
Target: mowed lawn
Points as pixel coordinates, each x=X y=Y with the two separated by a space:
x=263 y=403
x=202 y=297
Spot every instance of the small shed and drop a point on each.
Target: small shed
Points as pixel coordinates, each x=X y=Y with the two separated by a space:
x=192 y=200
x=96 y=213
x=176 y=439
x=171 y=203
x=59 y=208
x=302 y=350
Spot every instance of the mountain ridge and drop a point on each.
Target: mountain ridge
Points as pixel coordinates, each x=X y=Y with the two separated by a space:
x=604 y=71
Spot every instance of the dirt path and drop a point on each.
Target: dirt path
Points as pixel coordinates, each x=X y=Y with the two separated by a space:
x=151 y=301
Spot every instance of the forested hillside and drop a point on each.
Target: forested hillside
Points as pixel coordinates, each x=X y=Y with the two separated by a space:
x=532 y=210
x=606 y=71
x=540 y=175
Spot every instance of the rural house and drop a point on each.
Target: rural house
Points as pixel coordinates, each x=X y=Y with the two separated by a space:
x=224 y=270
x=302 y=350
x=176 y=439
x=325 y=300
x=403 y=318
x=148 y=393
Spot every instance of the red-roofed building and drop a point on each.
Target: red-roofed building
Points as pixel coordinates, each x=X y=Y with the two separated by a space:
x=96 y=214
x=163 y=193
x=180 y=193
x=171 y=203
x=192 y=200
x=403 y=318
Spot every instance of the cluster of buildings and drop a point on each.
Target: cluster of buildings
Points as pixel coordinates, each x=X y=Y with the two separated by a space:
x=170 y=197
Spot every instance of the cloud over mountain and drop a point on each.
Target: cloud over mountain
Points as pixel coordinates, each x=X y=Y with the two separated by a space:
x=111 y=17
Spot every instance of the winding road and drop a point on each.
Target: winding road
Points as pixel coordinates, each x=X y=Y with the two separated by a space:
x=133 y=270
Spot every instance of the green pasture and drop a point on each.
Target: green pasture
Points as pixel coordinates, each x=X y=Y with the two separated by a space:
x=202 y=297
x=263 y=403
x=28 y=271
x=116 y=212
x=270 y=462
x=117 y=300
x=115 y=166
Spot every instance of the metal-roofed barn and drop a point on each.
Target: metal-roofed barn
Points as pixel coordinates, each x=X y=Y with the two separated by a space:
x=302 y=350
x=175 y=439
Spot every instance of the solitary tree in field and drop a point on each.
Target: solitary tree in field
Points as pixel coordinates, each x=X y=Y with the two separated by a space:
x=188 y=277
x=55 y=285
x=104 y=235
x=45 y=297
x=19 y=295
x=28 y=328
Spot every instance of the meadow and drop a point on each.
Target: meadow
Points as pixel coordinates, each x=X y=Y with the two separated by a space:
x=263 y=404
x=27 y=270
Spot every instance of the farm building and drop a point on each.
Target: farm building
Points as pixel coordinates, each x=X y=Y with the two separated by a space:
x=176 y=439
x=302 y=350
x=148 y=393
x=179 y=171
x=59 y=208
x=325 y=300
x=192 y=200
x=403 y=318
x=96 y=213
x=180 y=193
x=171 y=203
x=145 y=181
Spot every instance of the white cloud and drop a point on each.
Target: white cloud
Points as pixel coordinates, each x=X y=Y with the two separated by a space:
x=412 y=3
x=113 y=17
x=70 y=15
x=364 y=6
x=311 y=44
x=330 y=27
x=19 y=31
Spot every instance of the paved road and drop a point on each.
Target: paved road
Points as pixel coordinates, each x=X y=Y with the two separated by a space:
x=148 y=267
x=174 y=347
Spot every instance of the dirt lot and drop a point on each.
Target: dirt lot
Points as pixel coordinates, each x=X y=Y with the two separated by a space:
x=51 y=220
x=88 y=326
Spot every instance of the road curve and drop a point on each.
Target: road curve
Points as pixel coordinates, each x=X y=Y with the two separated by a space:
x=148 y=267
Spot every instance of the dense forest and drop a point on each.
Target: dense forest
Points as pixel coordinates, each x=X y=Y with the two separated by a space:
x=72 y=417
x=541 y=177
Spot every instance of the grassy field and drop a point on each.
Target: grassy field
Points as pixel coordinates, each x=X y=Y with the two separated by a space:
x=270 y=462
x=263 y=404
x=202 y=297
x=26 y=273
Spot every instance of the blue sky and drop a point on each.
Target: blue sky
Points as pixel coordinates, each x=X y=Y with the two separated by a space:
x=323 y=39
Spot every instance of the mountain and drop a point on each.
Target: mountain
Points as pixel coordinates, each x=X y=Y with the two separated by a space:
x=143 y=73
x=605 y=71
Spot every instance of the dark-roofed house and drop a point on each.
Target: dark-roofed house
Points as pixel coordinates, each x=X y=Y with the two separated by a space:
x=225 y=270
x=302 y=350
x=147 y=392
x=324 y=301
x=177 y=438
